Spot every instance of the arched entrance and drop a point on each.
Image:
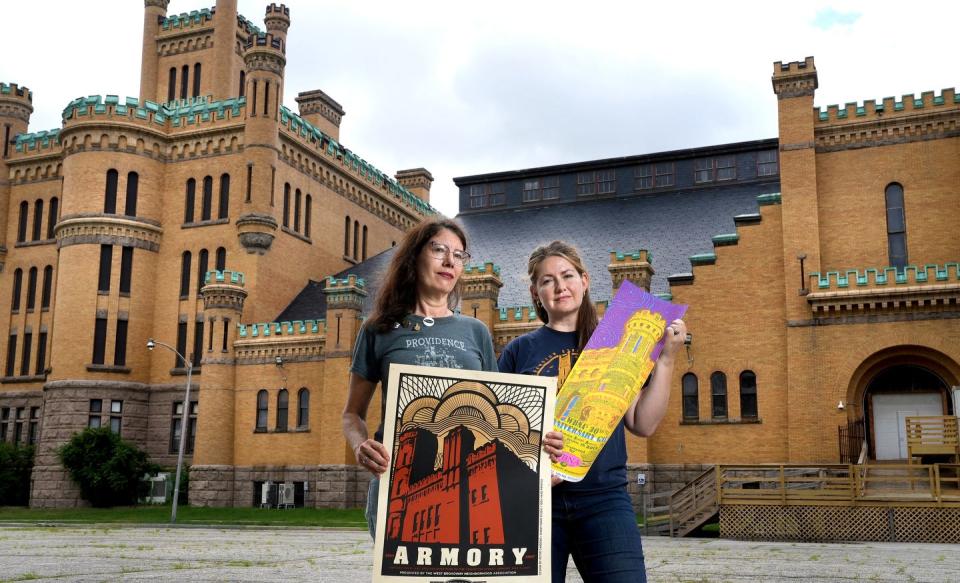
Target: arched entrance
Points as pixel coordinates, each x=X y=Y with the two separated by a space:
x=895 y=384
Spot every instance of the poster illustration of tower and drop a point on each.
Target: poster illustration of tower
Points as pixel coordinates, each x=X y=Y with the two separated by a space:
x=467 y=493
x=609 y=374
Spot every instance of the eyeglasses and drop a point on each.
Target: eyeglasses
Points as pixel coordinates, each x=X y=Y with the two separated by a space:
x=440 y=251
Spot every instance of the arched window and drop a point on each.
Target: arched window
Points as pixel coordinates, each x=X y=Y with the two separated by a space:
x=363 y=246
x=110 y=193
x=185 y=274
x=298 y=200
x=196 y=80
x=243 y=83
x=221 y=259
x=266 y=97
x=189 y=201
x=224 y=207
x=356 y=239
x=184 y=81
x=896 y=226
x=283 y=403
x=691 y=397
x=303 y=408
x=203 y=259
x=37 y=220
x=262 y=410
x=133 y=184
x=32 y=288
x=17 y=286
x=172 y=84
x=206 y=203
x=748 y=395
x=47 y=287
x=286 y=204
x=306 y=215
x=52 y=217
x=718 y=395
x=346 y=236
x=22 y=222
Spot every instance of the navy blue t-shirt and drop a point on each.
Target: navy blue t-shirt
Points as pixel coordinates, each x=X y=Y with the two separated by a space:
x=549 y=353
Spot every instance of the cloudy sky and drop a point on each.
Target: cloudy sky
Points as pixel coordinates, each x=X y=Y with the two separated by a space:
x=472 y=87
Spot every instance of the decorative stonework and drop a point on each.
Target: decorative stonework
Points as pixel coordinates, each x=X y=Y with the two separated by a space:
x=291 y=349
x=481 y=282
x=264 y=61
x=108 y=230
x=633 y=267
x=256 y=232
x=318 y=102
x=796 y=79
x=345 y=293
x=933 y=125
x=223 y=290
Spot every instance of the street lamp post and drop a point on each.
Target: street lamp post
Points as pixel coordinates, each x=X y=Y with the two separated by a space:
x=184 y=420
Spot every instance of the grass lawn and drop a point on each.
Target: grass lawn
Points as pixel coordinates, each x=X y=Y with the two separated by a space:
x=157 y=514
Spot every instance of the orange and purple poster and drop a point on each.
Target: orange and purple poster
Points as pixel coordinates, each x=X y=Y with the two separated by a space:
x=467 y=493
x=608 y=375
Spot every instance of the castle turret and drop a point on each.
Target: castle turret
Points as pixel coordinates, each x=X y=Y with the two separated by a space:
x=344 y=305
x=16 y=105
x=633 y=267
x=223 y=298
x=322 y=111
x=154 y=11
x=417 y=181
x=265 y=60
x=795 y=84
x=226 y=82
x=481 y=289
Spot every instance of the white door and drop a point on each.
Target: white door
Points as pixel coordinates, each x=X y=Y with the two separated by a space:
x=889 y=420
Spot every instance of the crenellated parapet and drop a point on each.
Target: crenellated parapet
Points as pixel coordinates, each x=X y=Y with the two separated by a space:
x=265 y=52
x=37 y=141
x=277 y=18
x=186 y=20
x=223 y=290
x=246 y=27
x=481 y=281
x=294 y=341
x=176 y=114
x=914 y=288
x=310 y=136
x=346 y=293
x=795 y=79
x=16 y=102
x=633 y=266
x=518 y=314
x=887 y=108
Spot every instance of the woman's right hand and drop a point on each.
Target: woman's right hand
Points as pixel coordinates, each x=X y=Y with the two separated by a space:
x=372 y=455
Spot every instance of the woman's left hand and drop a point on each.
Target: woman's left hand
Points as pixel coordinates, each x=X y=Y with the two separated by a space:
x=553 y=444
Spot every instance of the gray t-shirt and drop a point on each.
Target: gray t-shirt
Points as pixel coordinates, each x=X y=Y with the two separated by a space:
x=452 y=342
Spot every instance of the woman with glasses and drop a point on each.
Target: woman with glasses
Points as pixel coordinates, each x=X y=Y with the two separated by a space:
x=413 y=322
x=593 y=519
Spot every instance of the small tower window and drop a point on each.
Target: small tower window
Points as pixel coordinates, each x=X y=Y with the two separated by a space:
x=286 y=204
x=17 y=285
x=224 y=206
x=262 y=410
x=185 y=274
x=243 y=83
x=133 y=184
x=298 y=200
x=748 y=395
x=189 y=201
x=718 y=395
x=47 y=290
x=22 y=222
x=303 y=408
x=32 y=289
x=221 y=259
x=207 y=201
x=52 y=217
x=896 y=226
x=184 y=81
x=691 y=398
x=306 y=215
x=110 y=192
x=172 y=84
x=203 y=259
x=37 y=220
x=196 y=80
x=283 y=404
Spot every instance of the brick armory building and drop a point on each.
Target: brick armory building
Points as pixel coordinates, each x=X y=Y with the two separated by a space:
x=820 y=268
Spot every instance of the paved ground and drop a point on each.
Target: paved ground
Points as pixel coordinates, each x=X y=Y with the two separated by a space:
x=292 y=554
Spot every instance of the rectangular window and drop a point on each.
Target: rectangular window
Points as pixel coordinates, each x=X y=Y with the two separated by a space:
x=726 y=168
x=96 y=407
x=226 y=331
x=643 y=177
x=596 y=182
x=126 y=269
x=41 y=354
x=547 y=188
x=120 y=346
x=25 y=356
x=181 y=345
x=99 y=340
x=767 y=163
x=116 y=419
x=175 y=423
x=106 y=259
x=197 y=343
x=116 y=424
x=18 y=426
x=664 y=174
x=703 y=171
x=4 y=420
x=487 y=195
x=11 y=355
x=33 y=434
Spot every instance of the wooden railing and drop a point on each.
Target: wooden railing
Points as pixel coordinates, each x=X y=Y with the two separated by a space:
x=840 y=485
x=693 y=504
x=933 y=435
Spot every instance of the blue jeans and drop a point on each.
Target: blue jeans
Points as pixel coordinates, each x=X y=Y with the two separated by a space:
x=600 y=532
x=373 y=498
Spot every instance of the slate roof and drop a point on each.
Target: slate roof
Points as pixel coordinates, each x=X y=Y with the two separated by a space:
x=671 y=226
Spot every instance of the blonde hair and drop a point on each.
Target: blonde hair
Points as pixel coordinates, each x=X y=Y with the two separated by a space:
x=587 y=314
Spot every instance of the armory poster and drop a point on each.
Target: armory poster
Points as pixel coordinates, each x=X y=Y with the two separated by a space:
x=608 y=375
x=467 y=495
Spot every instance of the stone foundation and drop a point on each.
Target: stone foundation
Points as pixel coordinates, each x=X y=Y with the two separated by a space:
x=327 y=486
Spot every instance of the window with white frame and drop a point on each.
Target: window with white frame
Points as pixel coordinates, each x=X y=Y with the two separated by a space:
x=544 y=188
x=487 y=195
x=767 y=164
x=596 y=182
